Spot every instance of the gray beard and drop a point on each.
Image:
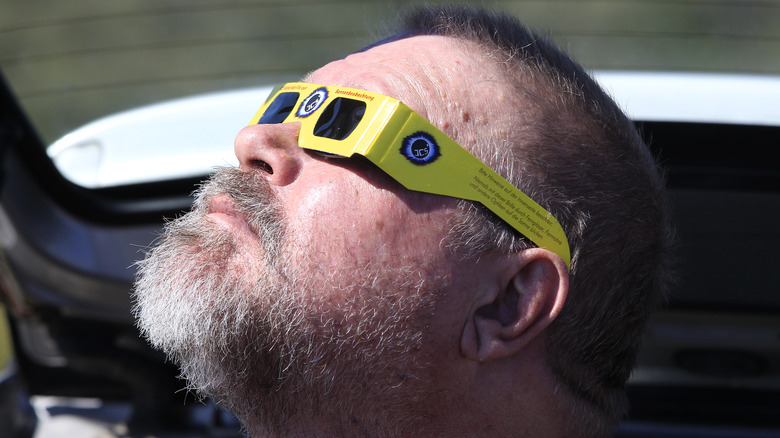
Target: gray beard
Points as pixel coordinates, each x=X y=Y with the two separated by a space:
x=259 y=337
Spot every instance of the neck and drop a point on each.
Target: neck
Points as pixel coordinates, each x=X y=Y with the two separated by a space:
x=494 y=398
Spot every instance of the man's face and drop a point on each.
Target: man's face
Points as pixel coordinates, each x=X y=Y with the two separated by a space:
x=305 y=283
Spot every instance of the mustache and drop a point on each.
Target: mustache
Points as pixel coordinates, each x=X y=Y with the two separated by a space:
x=252 y=197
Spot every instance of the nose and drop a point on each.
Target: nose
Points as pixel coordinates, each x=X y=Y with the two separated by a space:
x=272 y=150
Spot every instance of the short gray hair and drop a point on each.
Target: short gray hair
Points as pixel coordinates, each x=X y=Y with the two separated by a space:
x=583 y=160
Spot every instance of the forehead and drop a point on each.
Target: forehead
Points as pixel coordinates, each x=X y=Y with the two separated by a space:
x=431 y=74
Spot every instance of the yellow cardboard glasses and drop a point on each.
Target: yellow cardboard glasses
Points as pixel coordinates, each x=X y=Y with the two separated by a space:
x=345 y=121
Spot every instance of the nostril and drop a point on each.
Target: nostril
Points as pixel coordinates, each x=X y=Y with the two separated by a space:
x=262 y=165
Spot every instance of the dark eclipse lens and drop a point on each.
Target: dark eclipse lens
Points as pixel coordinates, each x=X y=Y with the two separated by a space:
x=340 y=118
x=279 y=109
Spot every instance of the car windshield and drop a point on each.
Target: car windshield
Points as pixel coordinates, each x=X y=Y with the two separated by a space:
x=72 y=63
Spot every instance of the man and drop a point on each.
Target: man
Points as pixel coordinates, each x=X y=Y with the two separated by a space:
x=316 y=295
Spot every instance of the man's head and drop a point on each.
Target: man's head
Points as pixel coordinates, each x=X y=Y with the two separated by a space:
x=311 y=293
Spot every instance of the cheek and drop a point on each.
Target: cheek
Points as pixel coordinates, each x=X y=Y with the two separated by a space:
x=338 y=224
x=343 y=226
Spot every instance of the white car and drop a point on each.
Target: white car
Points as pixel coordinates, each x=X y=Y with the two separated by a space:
x=175 y=139
x=188 y=137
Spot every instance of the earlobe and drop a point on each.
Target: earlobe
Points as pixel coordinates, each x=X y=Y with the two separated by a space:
x=532 y=294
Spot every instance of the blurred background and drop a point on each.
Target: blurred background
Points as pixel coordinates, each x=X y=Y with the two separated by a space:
x=72 y=62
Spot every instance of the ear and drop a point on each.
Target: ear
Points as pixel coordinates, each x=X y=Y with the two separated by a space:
x=529 y=297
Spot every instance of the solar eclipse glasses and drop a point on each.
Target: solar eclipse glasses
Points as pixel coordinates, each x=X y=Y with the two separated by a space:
x=344 y=121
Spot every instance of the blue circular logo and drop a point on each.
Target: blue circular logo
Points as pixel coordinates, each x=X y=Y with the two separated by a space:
x=312 y=102
x=420 y=148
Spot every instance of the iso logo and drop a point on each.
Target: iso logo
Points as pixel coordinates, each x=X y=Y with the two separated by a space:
x=312 y=102
x=420 y=148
